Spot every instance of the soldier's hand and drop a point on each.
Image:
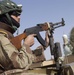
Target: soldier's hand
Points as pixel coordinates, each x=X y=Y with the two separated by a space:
x=29 y=40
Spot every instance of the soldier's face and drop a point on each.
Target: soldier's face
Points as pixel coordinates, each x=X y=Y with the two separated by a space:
x=17 y=18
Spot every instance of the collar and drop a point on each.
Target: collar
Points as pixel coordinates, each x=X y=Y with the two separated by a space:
x=6 y=27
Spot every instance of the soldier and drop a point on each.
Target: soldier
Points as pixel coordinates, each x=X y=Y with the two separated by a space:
x=10 y=57
x=67 y=46
x=72 y=39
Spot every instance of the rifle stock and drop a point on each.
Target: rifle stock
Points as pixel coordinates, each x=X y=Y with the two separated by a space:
x=16 y=41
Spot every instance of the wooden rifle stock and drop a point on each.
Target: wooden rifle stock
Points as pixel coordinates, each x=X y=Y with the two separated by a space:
x=16 y=41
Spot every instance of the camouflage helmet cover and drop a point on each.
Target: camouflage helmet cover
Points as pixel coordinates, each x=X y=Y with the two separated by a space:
x=9 y=6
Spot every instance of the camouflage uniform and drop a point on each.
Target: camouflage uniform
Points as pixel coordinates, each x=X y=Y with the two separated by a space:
x=10 y=57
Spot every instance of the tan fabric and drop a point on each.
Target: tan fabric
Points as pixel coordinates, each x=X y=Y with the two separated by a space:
x=6 y=33
x=9 y=54
x=4 y=60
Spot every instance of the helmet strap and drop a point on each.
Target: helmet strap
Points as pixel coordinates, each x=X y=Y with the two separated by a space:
x=17 y=31
x=14 y=27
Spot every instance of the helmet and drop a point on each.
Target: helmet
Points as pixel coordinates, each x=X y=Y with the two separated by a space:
x=8 y=6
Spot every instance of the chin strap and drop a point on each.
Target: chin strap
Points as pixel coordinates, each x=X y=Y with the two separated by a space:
x=17 y=31
x=14 y=27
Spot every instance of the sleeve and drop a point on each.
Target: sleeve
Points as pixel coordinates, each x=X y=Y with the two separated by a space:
x=19 y=59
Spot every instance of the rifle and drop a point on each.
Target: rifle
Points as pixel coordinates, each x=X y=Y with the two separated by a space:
x=16 y=41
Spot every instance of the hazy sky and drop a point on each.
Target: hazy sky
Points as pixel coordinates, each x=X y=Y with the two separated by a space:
x=40 y=11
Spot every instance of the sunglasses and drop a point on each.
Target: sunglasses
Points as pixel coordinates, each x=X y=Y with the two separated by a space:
x=15 y=13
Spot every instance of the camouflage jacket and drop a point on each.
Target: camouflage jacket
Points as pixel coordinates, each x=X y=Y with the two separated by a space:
x=10 y=57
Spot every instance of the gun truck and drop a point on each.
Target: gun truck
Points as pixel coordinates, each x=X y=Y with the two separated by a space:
x=16 y=41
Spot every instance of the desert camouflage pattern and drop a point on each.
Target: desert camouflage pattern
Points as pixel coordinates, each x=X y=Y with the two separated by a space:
x=10 y=57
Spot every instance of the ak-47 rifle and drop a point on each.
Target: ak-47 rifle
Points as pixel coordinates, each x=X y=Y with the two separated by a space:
x=16 y=41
